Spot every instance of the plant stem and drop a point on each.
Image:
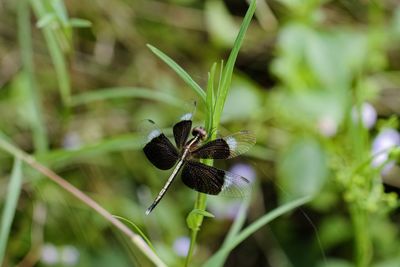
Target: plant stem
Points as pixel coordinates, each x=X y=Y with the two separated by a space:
x=362 y=239
x=201 y=205
x=215 y=105
x=136 y=239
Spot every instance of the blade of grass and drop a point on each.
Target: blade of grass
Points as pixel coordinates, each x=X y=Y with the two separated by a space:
x=210 y=99
x=13 y=192
x=56 y=54
x=137 y=229
x=181 y=72
x=218 y=258
x=30 y=85
x=125 y=92
x=239 y=221
x=58 y=158
x=228 y=70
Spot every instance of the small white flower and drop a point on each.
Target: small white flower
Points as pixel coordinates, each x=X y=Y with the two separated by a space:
x=71 y=141
x=181 y=246
x=368 y=115
x=327 y=126
x=49 y=254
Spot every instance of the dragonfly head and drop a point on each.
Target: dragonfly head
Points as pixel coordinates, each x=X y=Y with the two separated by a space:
x=199 y=131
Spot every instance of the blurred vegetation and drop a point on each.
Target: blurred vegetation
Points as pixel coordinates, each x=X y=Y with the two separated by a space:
x=76 y=80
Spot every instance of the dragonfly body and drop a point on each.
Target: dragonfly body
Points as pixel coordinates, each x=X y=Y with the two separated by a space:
x=200 y=135
x=202 y=178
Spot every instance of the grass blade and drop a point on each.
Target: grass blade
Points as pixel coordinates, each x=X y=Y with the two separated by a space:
x=13 y=192
x=61 y=157
x=218 y=258
x=228 y=70
x=239 y=221
x=181 y=72
x=124 y=92
x=30 y=88
x=137 y=230
x=210 y=98
x=56 y=54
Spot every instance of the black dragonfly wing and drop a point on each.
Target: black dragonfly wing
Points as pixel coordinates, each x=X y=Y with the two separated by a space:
x=227 y=147
x=159 y=150
x=181 y=132
x=213 y=181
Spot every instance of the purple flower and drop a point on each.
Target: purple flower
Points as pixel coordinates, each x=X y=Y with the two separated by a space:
x=383 y=142
x=228 y=208
x=244 y=170
x=181 y=246
x=368 y=115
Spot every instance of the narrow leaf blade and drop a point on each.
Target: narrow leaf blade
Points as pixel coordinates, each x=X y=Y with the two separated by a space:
x=228 y=70
x=218 y=258
x=13 y=192
x=136 y=229
x=180 y=71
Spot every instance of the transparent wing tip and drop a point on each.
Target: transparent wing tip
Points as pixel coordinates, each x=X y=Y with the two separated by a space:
x=186 y=117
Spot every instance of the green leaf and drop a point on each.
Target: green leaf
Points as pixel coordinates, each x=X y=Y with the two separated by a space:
x=239 y=221
x=61 y=157
x=181 y=72
x=137 y=230
x=29 y=87
x=302 y=169
x=210 y=98
x=80 y=23
x=193 y=217
x=60 y=10
x=218 y=258
x=228 y=70
x=45 y=20
x=395 y=154
x=13 y=192
x=125 y=92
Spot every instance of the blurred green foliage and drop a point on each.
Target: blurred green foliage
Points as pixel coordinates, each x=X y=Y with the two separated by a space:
x=77 y=78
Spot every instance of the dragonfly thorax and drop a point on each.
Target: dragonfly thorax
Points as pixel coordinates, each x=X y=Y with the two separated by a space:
x=200 y=132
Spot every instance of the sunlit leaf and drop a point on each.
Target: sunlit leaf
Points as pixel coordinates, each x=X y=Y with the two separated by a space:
x=302 y=169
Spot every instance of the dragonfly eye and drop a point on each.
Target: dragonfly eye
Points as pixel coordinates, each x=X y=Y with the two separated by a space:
x=199 y=131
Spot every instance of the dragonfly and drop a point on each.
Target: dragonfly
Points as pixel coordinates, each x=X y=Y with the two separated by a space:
x=187 y=152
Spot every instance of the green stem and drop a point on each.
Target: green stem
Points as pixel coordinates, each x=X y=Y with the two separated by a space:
x=362 y=238
x=215 y=105
x=201 y=205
